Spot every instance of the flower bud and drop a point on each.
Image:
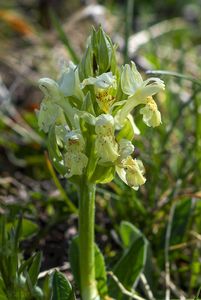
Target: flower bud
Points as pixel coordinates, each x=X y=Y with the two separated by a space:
x=103 y=51
x=86 y=65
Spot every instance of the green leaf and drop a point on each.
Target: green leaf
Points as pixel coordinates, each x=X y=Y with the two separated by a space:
x=47 y=286
x=129 y=233
x=129 y=267
x=182 y=212
x=62 y=36
x=35 y=268
x=18 y=233
x=28 y=228
x=197 y=297
x=62 y=289
x=2 y=288
x=3 y=296
x=100 y=272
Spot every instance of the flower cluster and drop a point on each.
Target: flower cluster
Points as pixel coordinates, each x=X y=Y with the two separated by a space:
x=87 y=115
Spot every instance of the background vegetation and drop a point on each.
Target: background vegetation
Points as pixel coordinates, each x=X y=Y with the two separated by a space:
x=157 y=35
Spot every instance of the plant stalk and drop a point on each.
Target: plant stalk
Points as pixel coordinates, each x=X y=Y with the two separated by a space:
x=86 y=240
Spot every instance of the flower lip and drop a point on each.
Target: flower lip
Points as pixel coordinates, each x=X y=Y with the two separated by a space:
x=151 y=114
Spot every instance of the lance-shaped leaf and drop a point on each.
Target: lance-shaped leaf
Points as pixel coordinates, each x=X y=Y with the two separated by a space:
x=129 y=267
x=62 y=289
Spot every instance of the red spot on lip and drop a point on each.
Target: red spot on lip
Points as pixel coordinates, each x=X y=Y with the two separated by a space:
x=73 y=142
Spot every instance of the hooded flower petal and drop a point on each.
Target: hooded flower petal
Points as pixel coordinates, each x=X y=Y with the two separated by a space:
x=69 y=82
x=50 y=88
x=54 y=99
x=103 y=81
x=126 y=148
x=131 y=79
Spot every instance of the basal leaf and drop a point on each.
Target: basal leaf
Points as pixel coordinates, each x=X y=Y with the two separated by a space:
x=129 y=267
x=181 y=214
x=129 y=233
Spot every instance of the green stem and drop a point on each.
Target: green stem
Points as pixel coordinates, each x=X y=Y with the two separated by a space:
x=86 y=240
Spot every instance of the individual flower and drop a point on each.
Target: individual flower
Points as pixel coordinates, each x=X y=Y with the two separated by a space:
x=105 y=144
x=151 y=114
x=74 y=158
x=54 y=100
x=137 y=90
x=131 y=171
x=105 y=89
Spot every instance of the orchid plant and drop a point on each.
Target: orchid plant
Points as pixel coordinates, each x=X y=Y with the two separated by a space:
x=87 y=115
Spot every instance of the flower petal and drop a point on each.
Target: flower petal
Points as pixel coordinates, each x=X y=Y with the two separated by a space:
x=151 y=114
x=126 y=148
x=131 y=79
x=69 y=82
x=103 y=81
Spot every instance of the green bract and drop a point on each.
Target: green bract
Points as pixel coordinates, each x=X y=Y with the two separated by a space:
x=88 y=114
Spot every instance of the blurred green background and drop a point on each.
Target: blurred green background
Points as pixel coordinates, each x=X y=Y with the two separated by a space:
x=36 y=38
